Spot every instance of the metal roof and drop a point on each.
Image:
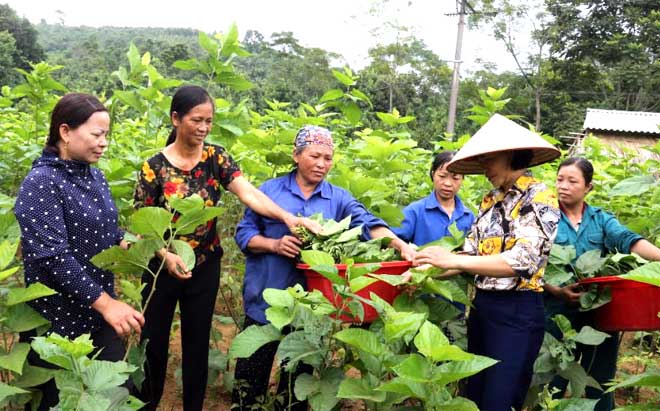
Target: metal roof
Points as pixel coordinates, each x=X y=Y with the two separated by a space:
x=626 y=121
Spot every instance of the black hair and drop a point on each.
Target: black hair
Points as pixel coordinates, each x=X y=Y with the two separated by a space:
x=185 y=99
x=440 y=160
x=521 y=159
x=582 y=164
x=73 y=109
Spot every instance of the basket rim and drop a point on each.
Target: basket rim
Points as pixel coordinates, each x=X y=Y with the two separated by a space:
x=384 y=264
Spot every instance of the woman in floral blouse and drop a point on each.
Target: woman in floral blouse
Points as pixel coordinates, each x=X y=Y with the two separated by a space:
x=187 y=166
x=508 y=249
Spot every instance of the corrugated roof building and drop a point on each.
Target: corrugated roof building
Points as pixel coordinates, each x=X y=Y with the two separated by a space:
x=624 y=129
x=624 y=121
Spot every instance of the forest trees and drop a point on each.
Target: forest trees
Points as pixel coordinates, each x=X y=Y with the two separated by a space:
x=18 y=44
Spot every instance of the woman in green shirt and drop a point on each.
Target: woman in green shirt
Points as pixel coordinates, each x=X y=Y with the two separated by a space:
x=588 y=228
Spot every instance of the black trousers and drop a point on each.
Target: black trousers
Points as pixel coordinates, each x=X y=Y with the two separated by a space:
x=104 y=339
x=252 y=375
x=196 y=297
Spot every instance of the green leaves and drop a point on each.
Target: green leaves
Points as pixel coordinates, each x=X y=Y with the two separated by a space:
x=32 y=292
x=7 y=391
x=21 y=317
x=433 y=344
x=7 y=253
x=15 y=360
x=648 y=273
x=360 y=388
x=132 y=261
x=590 y=262
x=322 y=393
x=185 y=251
x=590 y=336
x=364 y=340
x=61 y=351
x=251 y=339
x=633 y=186
x=150 y=222
x=316 y=258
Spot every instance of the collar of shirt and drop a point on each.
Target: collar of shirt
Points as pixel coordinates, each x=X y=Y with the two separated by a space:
x=323 y=188
x=431 y=202
x=496 y=195
x=73 y=167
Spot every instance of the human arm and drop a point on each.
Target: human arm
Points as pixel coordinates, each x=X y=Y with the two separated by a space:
x=256 y=200
x=406 y=250
x=288 y=245
x=253 y=237
x=490 y=265
x=646 y=249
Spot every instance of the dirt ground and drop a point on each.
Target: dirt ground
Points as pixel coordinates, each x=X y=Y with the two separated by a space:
x=172 y=400
x=218 y=400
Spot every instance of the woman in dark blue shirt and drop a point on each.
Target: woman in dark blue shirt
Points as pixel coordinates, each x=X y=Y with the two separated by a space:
x=270 y=247
x=67 y=216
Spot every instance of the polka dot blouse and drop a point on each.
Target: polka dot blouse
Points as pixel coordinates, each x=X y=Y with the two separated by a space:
x=67 y=216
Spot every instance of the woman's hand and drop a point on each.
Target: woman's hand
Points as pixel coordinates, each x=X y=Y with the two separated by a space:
x=571 y=293
x=436 y=256
x=407 y=251
x=120 y=316
x=292 y=222
x=176 y=267
x=288 y=246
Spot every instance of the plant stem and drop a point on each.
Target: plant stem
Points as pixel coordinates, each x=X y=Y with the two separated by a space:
x=231 y=312
x=151 y=291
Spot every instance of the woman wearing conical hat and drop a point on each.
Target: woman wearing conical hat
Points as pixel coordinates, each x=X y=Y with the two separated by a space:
x=507 y=249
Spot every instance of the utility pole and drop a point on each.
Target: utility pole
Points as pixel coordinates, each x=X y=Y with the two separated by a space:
x=453 y=97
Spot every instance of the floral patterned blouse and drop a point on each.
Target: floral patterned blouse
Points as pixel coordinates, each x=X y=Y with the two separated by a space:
x=159 y=180
x=520 y=225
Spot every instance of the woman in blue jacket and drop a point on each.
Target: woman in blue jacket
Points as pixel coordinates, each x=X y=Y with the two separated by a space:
x=428 y=219
x=270 y=249
x=588 y=228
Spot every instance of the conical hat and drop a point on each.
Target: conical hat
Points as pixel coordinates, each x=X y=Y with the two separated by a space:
x=500 y=134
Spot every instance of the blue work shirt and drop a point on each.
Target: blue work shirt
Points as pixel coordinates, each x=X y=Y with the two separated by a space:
x=268 y=270
x=67 y=216
x=425 y=220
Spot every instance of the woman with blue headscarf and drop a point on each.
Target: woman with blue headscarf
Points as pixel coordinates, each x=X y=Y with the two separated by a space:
x=270 y=249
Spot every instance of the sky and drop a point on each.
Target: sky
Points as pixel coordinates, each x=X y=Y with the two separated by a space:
x=347 y=27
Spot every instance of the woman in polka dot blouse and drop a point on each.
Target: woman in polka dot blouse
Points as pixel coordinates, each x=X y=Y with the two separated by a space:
x=186 y=166
x=67 y=216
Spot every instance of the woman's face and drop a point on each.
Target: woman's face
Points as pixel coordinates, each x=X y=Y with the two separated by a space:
x=571 y=186
x=497 y=168
x=195 y=125
x=445 y=183
x=88 y=141
x=314 y=162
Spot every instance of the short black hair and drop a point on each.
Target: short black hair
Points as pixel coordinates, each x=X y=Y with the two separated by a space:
x=440 y=160
x=582 y=164
x=521 y=159
x=73 y=109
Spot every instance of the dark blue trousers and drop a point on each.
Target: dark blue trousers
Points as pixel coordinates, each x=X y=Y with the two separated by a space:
x=506 y=326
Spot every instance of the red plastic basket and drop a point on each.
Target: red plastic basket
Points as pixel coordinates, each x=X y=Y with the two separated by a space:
x=634 y=305
x=382 y=289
